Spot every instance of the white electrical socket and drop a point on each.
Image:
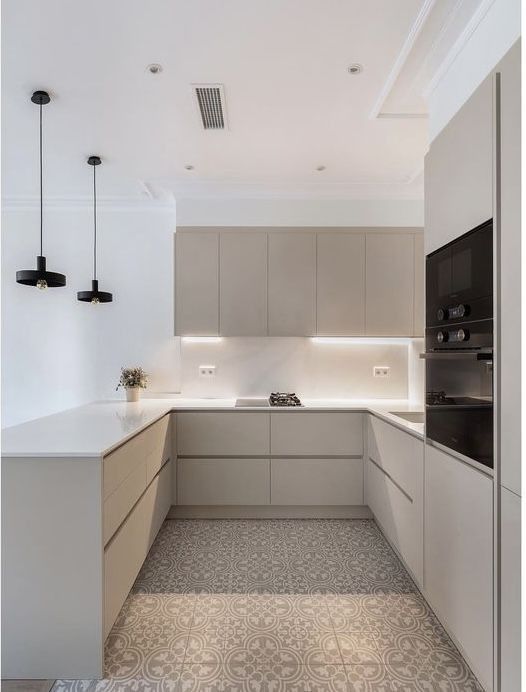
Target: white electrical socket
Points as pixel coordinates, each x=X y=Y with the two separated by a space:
x=381 y=371
x=207 y=371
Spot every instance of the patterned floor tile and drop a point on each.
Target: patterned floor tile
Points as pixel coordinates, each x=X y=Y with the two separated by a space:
x=319 y=605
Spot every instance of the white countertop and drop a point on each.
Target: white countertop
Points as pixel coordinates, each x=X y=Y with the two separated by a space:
x=95 y=429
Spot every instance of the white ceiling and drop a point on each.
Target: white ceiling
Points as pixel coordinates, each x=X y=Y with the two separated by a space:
x=290 y=101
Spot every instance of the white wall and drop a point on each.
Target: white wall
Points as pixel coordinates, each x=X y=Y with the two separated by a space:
x=494 y=30
x=254 y=367
x=300 y=212
x=58 y=352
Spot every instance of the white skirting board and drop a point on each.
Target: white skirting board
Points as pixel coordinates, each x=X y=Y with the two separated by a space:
x=269 y=512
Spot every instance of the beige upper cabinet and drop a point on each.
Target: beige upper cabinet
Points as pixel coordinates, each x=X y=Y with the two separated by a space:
x=243 y=283
x=458 y=172
x=341 y=284
x=197 y=283
x=291 y=283
x=281 y=282
x=389 y=291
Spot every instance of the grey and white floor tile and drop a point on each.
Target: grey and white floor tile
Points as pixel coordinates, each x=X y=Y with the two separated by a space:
x=276 y=606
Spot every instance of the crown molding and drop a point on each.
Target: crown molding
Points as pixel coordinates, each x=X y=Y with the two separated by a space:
x=108 y=203
x=458 y=46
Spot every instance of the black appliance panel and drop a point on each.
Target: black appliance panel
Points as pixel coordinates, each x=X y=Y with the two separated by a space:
x=459 y=279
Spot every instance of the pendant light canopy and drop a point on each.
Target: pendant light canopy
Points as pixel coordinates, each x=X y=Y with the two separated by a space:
x=94 y=296
x=40 y=277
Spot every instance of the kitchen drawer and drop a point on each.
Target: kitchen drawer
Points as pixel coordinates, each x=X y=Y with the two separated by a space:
x=223 y=481
x=118 y=504
x=124 y=555
x=399 y=454
x=225 y=433
x=151 y=446
x=317 y=481
x=400 y=517
x=306 y=433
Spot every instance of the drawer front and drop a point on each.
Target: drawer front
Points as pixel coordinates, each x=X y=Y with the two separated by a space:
x=232 y=433
x=400 y=455
x=159 y=445
x=317 y=481
x=304 y=433
x=152 y=444
x=401 y=518
x=124 y=555
x=223 y=481
x=118 y=504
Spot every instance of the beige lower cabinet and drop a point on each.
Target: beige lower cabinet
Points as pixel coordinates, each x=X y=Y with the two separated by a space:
x=125 y=553
x=510 y=644
x=458 y=556
x=314 y=433
x=317 y=481
x=222 y=433
x=223 y=481
x=394 y=489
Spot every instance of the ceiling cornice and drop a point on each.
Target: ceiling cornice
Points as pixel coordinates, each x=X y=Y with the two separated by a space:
x=108 y=203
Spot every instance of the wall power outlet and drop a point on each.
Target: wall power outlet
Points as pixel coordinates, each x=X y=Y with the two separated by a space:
x=381 y=371
x=207 y=371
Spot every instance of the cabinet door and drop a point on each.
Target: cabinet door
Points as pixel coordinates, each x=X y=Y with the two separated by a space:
x=394 y=489
x=291 y=283
x=317 y=481
x=223 y=433
x=458 y=556
x=458 y=172
x=197 y=283
x=311 y=433
x=510 y=591
x=243 y=283
x=340 y=284
x=510 y=269
x=419 y=286
x=223 y=481
x=389 y=284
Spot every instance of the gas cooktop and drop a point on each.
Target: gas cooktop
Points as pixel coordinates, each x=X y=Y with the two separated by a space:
x=284 y=399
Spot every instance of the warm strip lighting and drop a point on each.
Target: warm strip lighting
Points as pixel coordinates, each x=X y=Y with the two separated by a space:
x=350 y=340
x=202 y=339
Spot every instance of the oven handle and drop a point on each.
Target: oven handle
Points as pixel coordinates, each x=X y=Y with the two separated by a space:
x=444 y=355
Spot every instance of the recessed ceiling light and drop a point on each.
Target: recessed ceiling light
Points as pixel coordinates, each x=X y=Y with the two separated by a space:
x=189 y=167
x=155 y=68
x=355 y=68
x=321 y=168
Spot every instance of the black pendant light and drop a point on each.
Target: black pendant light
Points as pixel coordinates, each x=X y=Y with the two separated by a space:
x=40 y=277
x=94 y=296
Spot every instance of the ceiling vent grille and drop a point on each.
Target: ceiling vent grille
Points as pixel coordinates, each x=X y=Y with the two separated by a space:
x=210 y=101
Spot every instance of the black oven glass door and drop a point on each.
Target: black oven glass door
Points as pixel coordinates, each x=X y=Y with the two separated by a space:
x=461 y=273
x=459 y=402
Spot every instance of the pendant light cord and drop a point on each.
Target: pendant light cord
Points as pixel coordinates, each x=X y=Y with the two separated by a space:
x=94 y=225
x=41 y=193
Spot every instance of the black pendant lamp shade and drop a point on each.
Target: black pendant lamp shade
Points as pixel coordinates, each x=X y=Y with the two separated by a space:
x=94 y=296
x=40 y=277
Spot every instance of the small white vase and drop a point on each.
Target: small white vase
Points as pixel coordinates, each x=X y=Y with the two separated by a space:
x=133 y=393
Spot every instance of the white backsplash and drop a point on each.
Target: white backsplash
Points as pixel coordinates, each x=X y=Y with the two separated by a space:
x=255 y=366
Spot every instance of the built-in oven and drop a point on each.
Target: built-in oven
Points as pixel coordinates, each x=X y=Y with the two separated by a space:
x=459 y=346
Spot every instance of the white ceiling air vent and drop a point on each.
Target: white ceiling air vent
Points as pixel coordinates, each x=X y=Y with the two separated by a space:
x=211 y=103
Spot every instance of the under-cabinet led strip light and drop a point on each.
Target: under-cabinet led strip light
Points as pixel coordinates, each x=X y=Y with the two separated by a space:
x=358 y=340
x=202 y=339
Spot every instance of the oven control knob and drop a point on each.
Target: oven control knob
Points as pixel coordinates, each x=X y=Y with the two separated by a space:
x=441 y=337
x=461 y=311
x=441 y=314
x=461 y=335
